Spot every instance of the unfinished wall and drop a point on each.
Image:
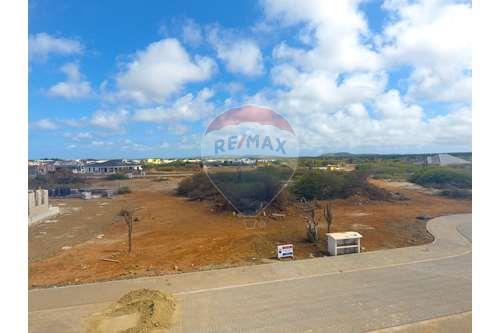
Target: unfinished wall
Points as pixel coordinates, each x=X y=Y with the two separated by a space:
x=38 y=206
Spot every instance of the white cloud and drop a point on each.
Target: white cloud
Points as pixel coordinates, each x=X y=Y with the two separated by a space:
x=82 y=136
x=98 y=143
x=239 y=55
x=322 y=91
x=42 y=45
x=333 y=33
x=44 y=124
x=382 y=122
x=75 y=87
x=109 y=120
x=188 y=108
x=80 y=122
x=453 y=128
x=391 y=106
x=435 y=37
x=178 y=129
x=332 y=85
x=330 y=79
x=160 y=70
x=191 y=33
x=441 y=83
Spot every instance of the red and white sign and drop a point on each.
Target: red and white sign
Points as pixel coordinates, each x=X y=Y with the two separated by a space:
x=285 y=251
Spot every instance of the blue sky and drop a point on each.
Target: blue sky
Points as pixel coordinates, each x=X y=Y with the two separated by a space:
x=120 y=79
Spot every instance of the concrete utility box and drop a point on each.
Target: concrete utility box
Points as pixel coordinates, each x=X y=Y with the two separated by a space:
x=344 y=242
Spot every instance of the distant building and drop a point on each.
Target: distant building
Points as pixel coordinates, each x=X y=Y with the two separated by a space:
x=344 y=167
x=38 y=206
x=109 y=167
x=445 y=159
x=157 y=161
x=154 y=161
x=341 y=167
x=40 y=169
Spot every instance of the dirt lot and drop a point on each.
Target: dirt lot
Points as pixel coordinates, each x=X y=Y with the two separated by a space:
x=87 y=242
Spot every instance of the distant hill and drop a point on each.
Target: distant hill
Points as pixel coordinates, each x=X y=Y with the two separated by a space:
x=339 y=154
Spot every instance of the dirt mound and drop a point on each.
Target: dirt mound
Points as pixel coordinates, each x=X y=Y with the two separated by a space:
x=142 y=310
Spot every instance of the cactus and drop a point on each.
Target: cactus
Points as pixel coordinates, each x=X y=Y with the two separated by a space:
x=312 y=230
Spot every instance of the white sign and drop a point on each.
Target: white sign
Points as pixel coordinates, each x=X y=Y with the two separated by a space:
x=285 y=251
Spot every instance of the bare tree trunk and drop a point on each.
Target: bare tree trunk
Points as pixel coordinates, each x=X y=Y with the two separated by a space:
x=130 y=236
x=128 y=217
x=328 y=212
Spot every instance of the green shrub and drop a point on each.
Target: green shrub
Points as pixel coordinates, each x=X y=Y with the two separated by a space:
x=116 y=176
x=247 y=190
x=322 y=185
x=457 y=194
x=389 y=169
x=123 y=190
x=444 y=178
x=197 y=187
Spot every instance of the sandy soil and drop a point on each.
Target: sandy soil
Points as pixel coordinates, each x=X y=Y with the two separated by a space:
x=174 y=235
x=142 y=310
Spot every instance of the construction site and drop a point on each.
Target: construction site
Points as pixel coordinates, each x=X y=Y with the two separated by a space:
x=87 y=241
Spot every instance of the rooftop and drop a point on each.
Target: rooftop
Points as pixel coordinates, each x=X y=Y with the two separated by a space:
x=111 y=163
x=344 y=235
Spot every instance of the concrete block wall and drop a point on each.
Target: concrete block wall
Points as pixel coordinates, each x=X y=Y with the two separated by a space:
x=38 y=203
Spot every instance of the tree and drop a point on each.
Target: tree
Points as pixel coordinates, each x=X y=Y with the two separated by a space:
x=328 y=212
x=128 y=217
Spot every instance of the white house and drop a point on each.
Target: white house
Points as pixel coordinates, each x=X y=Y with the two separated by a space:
x=109 y=167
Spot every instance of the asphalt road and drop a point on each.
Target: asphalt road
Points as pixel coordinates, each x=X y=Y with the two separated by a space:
x=352 y=293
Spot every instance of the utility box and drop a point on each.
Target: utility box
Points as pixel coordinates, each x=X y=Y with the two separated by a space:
x=344 y=242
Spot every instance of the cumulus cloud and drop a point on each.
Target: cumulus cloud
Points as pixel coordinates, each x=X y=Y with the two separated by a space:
x=333 y=32
x=44 y=124
x=82 y=136
x=334 y=79
x=397 y=125
x=187 y=108
x=239 y=55
x=333 y=83
x=75 y=87
x=42 y=45
x=384 y=121
x=109 y=120
x=435 y=37
x=72 y=122
x=160 y=70
x=323 y=90
x=192 y=33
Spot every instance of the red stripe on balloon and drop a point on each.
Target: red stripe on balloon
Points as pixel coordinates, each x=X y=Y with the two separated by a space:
x=249 y=114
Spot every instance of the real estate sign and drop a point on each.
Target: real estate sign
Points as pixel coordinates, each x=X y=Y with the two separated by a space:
x=285 y=251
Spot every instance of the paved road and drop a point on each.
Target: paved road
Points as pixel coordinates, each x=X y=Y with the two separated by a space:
x=353 y=293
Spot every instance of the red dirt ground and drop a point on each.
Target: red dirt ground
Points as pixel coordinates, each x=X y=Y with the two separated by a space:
x=175 y=235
